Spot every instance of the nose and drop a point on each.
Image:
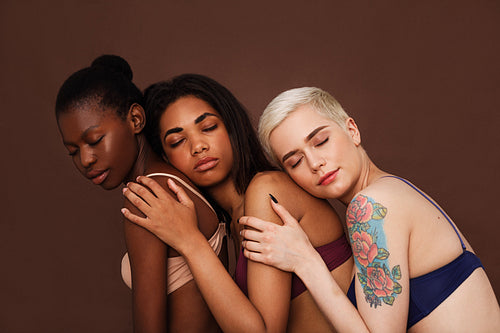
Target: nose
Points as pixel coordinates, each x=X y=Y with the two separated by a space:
x=87 y=157
x=316 y=162
x=199 y=146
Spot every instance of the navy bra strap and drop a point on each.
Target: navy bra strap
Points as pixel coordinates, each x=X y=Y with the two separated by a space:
x=434 y=204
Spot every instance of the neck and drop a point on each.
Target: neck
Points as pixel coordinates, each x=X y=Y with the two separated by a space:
x=228 y=198
x=368 y=174
x=144 y=154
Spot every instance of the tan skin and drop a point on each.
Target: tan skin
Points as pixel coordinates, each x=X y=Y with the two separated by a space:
x=419 y=239
x=112 y=151
x=201 y=150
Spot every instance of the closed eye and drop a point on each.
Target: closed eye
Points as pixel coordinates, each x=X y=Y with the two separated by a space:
x=96 y=142
x=176 y=143
x=211 y=128
x=296 y=163
x=322 y=142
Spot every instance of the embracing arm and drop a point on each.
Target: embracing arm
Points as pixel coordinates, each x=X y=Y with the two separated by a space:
x=381 y=294
x=232 y=309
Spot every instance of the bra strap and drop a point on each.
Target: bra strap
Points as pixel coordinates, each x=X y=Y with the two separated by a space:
x=198 y=194
x=433 y=203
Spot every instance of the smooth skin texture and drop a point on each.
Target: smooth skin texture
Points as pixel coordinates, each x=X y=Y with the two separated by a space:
x=110 y=151
x=328 y=161
x=196 y=142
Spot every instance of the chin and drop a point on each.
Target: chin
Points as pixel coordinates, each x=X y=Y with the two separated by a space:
x=108 y=187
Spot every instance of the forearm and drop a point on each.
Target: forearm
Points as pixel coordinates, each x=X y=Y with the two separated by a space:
x=329 y=297
x=231 y=308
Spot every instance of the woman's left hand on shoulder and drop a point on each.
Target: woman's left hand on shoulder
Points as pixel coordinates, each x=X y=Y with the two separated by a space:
x=173 y=220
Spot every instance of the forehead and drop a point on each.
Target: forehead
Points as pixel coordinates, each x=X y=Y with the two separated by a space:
x=185 y=110
x=301 y=122
x=77 y=120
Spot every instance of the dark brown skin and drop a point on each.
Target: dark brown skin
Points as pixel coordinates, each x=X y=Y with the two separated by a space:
x=110 y=152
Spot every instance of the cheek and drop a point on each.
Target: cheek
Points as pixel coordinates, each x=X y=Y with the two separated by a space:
x=178 y=159
x=301 y=177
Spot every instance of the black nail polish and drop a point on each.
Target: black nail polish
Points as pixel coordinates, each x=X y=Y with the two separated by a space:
x=273 y=198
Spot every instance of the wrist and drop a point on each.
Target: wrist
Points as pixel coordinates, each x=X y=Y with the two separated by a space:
x=192 y=244
x=310 y=263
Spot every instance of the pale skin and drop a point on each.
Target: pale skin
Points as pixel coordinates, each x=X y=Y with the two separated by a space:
x=416 y=235
x=268 y=305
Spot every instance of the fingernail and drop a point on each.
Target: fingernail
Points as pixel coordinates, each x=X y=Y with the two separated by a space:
x=273 y=198
x=124 y=190
x=122 y=210
x=137 y=179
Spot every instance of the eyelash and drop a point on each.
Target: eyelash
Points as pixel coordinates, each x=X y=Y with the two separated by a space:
x=317 y=145
x=296 y=163
x=92 y=144
x=175 y=144
x=322 y=142
x=208 y=129
x=211 y=128
x=96 y=142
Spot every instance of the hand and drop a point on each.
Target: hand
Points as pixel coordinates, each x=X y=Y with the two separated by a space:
x=285 y=247
x=173 y=221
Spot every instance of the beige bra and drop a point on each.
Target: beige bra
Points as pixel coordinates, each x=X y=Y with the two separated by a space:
x=178 y=270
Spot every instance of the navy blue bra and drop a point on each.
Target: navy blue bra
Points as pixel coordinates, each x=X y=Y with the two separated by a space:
x=431 y=289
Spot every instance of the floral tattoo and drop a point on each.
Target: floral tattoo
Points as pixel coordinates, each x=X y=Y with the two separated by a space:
x=364 y=218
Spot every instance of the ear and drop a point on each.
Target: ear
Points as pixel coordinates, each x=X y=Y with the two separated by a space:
x=353 y=131
x=137 y=118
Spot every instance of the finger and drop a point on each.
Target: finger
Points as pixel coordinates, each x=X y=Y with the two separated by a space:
x=180 y=193
x=254 y=222
x=153 y=185
x=255 y=256
x=283 y=213
x=136 y=201
x=142 y=192
x=251 y=235
x=140 y=221
x=252 y=246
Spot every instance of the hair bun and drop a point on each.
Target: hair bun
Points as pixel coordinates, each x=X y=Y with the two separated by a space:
x=115 y=64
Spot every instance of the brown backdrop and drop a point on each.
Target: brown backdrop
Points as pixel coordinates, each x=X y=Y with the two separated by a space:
x=421 y=78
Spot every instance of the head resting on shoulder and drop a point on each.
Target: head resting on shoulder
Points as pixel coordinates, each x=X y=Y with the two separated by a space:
x=248 y=155
x=106 y=83
x=289 y=101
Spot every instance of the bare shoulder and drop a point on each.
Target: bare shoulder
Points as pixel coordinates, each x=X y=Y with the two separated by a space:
x=280 y=186
x=207 y=218
x=388 y=200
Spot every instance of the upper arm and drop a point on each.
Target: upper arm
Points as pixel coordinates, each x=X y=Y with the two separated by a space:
x=148 y=263
x=268 y=288
x=379 y=241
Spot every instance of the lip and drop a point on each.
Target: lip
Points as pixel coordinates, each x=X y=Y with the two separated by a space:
x=97 y=176
x=328 y=178
x=206 y=163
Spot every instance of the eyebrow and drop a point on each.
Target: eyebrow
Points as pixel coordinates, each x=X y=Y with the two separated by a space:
x=308 y=138
x=196 y=121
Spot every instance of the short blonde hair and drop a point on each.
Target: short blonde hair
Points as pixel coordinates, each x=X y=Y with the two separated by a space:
x=289 y=101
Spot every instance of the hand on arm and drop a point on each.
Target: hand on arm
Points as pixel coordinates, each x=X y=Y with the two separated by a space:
x=285 y=247
x=173 y=220
x=288 y=248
